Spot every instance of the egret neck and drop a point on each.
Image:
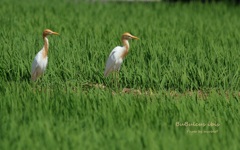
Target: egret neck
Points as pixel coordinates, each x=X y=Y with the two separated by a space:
x=126 y=46
x=46 y=45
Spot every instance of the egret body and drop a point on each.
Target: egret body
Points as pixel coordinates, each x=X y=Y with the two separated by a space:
x=40 y=61
x=117 y=55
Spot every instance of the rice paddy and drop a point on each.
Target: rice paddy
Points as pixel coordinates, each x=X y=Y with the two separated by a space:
x=178 y=86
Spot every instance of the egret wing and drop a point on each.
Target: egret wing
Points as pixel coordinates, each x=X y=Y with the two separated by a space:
x=34 y=65
x=113 y=57
x=36 y=69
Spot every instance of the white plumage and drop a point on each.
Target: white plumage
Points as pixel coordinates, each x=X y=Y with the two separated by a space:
x=39 y=65
x=114 y=61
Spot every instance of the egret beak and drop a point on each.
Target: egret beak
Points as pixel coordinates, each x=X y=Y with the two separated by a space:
x=134 y=37
x=55 y=33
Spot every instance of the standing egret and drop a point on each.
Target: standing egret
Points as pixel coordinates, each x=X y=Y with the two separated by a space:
x=40 y=61
x=117 y=55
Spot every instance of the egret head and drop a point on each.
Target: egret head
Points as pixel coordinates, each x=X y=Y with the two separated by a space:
x=47 y=32
x=128 y=36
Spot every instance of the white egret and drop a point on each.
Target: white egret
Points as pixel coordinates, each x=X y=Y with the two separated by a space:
x=117 y=55
x=40 y=61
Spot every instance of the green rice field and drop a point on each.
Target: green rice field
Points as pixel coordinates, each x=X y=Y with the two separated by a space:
x=178 y=88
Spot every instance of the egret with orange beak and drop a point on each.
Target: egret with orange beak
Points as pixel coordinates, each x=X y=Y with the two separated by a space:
x=117 y=55
x=40 y=61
